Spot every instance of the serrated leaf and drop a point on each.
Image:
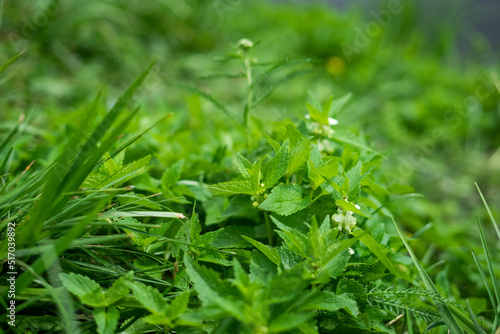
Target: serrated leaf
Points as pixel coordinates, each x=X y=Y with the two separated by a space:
x=256 y=176
x=118 y=290
x=338 y=104
x=178 y=305
x=172 y=175
x=275 y=168
x=288 y=321
x=244 y=166
x=106 y=320
x=233 y=187
x=211 y=289
x=195 y=230
x=348 y=206
x=149 y=297
x=207 y=238
x=377 y=249
x=261 y=268
x=112 y=173
x=276 y=146
x=315 y=178
x=285 y=200
x=157 y=319
x=328 y=301
x=293 y=135
x=317 y=115
x=271 y=253
x=298 y=156
x=79 y=285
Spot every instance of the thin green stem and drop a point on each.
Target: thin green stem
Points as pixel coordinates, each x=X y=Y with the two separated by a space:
x=269 y=229
x=248 y=68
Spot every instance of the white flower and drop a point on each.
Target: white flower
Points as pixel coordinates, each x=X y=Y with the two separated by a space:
x=307 y=116
x=351 y=251
x=332 y=121
x=245 y=44
x=350 y=221
x=339 y=218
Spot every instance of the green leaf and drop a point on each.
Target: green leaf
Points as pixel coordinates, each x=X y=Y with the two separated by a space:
x=233 y=187
x=298 y=156
x=261 y=268
x=11 y=60
x=211 y=289
x=271 y=253
x=276 y=146
x=495 y=225
x=317 y=115
x=328 y=301
x=287 y=321
x=106 y=320
x=315 y=178
x=149 y=297
x=285 y=200
x=377 y=249
x=348 y=206
x=157 y=319
x=79 y=285
x=113 y=173
x=118 y=290
x=338 y=104
x=256 y=176
x=178 y=305
x=244 y=166
x=275 y=168
x=172 y=174
x=195 y=230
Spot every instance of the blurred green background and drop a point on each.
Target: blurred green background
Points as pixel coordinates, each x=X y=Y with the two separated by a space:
x=424 y=79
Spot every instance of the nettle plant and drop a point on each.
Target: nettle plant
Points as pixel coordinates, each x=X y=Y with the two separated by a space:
x=296 y=243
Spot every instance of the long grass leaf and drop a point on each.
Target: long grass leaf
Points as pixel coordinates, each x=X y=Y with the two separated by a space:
x=495 y=225
x=485 y=280
x=10 y=61
x=489 y=263
x=443 y=309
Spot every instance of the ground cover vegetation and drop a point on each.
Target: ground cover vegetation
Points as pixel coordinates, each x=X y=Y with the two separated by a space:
x=230 y=167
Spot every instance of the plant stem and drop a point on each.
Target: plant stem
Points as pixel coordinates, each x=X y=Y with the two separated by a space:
x=269 y=229
x=248 y=68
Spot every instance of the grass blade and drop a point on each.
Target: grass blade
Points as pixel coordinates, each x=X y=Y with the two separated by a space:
x=443 y=309
x=10 y=61
x=495 y=225
x=489 y=263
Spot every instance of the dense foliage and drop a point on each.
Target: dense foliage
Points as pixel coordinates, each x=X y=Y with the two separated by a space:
x=264 y=192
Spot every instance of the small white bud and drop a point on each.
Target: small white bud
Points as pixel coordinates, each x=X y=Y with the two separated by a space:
x=245 y=44
x=332 y=121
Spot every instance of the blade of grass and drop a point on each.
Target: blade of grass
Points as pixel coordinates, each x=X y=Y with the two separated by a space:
x=10 y=61
x=473 y=317
x=61 y=299
x=489 y=263
x=84 y=161
x=485 y=280
x=443 y=309
x=495 y=225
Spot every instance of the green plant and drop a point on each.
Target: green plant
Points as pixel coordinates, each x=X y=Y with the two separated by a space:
x=289 y=227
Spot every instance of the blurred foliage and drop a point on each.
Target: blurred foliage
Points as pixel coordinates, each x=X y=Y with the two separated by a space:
x=432 y=110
